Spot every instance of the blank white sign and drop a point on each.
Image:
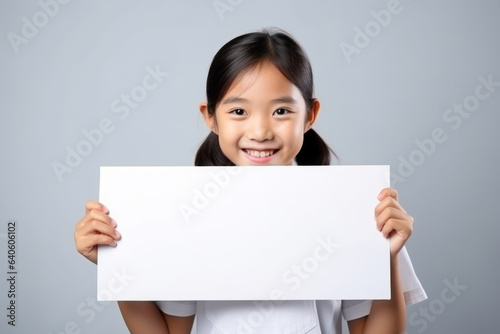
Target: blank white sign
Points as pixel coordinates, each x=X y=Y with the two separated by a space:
x=244 y=233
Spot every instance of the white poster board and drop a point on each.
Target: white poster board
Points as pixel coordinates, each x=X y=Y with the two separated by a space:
x=244 y=233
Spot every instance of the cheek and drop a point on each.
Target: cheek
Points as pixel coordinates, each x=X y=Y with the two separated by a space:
x=228 y=137
x=294 y=134
x=299 y=140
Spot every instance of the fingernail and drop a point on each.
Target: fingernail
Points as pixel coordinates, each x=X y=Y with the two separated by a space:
x=114 y=243
x=379 y=197
x=105 y=209
x=113 y=223
x=117 y=234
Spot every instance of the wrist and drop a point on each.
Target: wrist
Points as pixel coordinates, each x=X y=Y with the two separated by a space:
x=394 y=261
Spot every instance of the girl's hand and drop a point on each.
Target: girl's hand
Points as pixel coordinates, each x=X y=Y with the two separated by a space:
x=95 y=228
x=392 y=220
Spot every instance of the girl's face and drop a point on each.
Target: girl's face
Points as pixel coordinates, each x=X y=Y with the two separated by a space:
x=262 y=118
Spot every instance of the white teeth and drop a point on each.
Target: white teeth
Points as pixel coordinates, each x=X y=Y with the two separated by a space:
x=260 y=154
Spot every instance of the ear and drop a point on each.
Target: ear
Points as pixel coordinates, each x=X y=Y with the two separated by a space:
x=312 y=115
x=209 y=119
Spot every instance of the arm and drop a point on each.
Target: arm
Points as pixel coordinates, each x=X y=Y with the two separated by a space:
x=388 y=316
x=145 y=317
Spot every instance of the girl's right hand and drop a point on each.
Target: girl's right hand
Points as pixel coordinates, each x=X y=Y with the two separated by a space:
x=95 y=228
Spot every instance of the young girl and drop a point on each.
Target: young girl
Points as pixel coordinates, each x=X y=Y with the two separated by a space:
x=260 y=109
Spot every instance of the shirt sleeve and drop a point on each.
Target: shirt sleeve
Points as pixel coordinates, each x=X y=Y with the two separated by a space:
x=177 y=308
x=412 y=290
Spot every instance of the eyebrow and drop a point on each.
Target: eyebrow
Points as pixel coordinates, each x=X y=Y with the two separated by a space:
x=282 y=99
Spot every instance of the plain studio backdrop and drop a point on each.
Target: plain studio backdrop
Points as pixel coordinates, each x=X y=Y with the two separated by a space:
x=414 y=84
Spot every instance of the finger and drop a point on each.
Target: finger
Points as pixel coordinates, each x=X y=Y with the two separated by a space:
x=388 y=227
x=86 y=242
x=400 y=222
x=86 y=245
x=101 y=216
x=97 y=227
x=387 y=202
x=397 y=227
x=94 y=205
x=95 y=215
x=389 y=213
x=388 y=192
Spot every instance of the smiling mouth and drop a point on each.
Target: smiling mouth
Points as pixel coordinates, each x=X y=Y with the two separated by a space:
x=260 y=154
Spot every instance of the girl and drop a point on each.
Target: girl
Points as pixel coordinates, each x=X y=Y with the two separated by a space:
x=260 y=109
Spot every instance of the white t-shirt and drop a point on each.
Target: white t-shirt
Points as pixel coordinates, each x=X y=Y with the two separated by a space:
x=278 y=316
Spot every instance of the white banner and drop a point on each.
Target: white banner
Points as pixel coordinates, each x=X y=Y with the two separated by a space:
x=244 y=233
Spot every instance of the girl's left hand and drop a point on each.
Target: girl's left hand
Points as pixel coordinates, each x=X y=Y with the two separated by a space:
x=392 y=220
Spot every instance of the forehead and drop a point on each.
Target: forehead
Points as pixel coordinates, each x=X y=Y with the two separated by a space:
x=263 y=81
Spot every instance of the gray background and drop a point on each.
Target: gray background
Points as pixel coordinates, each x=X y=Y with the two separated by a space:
x=375 y=107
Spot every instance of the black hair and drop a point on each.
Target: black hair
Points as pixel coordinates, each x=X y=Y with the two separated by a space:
x=244 y=53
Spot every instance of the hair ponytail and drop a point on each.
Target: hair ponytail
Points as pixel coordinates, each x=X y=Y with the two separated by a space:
x=210 y=153
x=314 y=150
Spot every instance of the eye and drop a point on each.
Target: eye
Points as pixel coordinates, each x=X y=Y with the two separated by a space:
x=281 y=111
x=239 y=112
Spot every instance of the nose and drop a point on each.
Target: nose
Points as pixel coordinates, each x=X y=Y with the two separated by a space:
x=260 y=128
